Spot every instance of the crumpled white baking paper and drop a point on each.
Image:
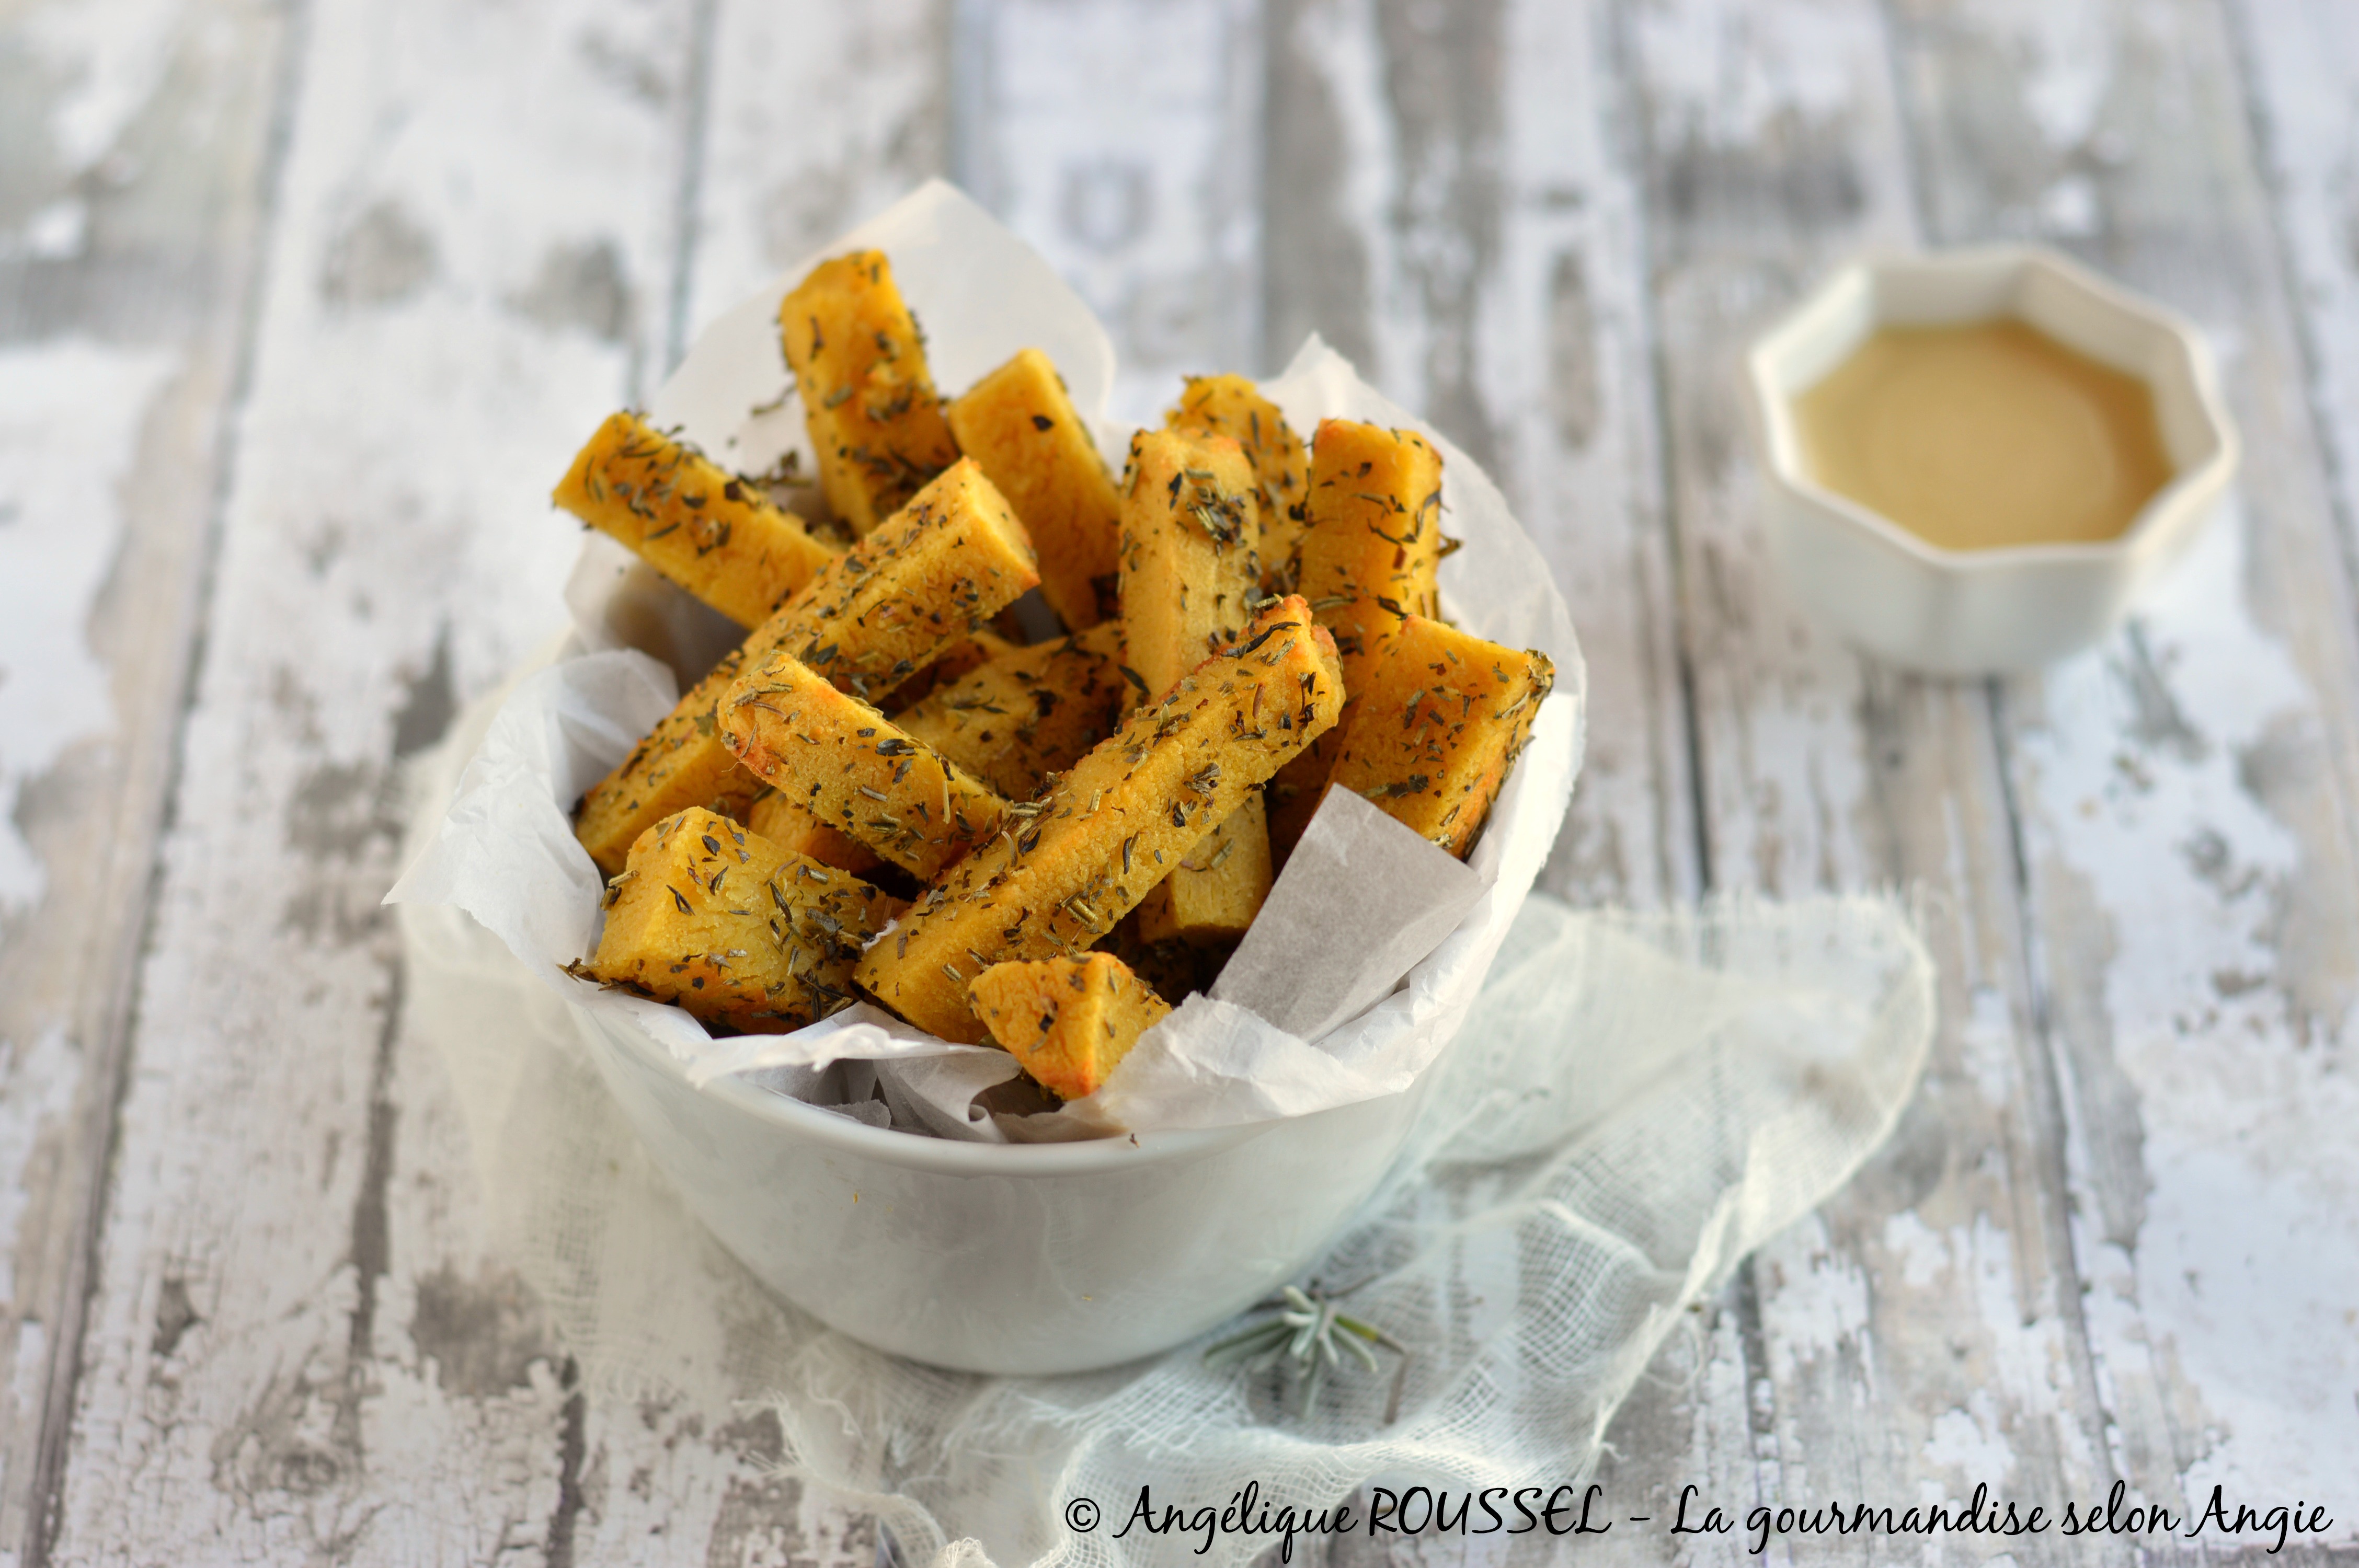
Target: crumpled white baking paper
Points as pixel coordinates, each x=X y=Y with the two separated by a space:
x=1388 y=992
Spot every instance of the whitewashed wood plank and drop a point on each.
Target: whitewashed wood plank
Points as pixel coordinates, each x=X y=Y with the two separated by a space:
x=471 y=265
x=2302 y=62
x=1920 y=1332
x=819 y=116
x=132 y=175
x=2188 y=790
x=1399 y=137
x=1564 y=362
x=1118 y=138
x=816 y=115
x=817 y=120
x=1450 y=198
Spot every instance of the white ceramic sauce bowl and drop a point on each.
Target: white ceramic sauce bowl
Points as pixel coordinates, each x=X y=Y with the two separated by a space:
x=1964 y=612
x=998 y=1258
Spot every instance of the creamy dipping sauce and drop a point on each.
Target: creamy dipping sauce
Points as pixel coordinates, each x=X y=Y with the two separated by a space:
x=1983 y=436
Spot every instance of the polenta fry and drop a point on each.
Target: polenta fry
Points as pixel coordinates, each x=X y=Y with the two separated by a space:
x=869 y=399
x=1072 y=863
x=712 y=533
x=852 y=768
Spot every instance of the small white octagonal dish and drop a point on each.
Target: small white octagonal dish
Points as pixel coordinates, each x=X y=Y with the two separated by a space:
x=1979 y=612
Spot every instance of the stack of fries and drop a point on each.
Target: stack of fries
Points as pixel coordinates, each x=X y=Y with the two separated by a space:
x=1056 y=841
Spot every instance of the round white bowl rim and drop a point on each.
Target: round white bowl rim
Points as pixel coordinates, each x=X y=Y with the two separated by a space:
x=2148 y=530
x=951 y=1156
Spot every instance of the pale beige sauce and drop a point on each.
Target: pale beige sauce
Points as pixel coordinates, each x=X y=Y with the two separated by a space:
x=1983 y=436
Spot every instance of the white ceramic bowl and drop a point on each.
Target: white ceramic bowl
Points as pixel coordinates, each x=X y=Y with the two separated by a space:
x=1981 y=611
x=998 y=1258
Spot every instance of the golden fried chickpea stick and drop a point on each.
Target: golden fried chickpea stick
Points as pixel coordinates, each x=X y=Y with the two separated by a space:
x=1233 y=407
x=792 y=827
x=1218 y=886
x=869 y=399
x=733 y=929
x=1188 y=585
x=1067 y=867
x=1370 y=555
x=1018 y=423
x=977 y=648
x=853 y=769
x=949 y=561
x=1439 y=723
x=1067 y=1020
x=1188 y=577
x=709 y=532
x=954 y=556
x=1027 y=714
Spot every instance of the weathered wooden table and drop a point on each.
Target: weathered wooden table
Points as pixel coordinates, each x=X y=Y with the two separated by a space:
x=303 y=305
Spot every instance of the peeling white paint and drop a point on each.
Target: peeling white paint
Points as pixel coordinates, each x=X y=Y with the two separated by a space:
x=107 y=57
x=1986 y=1043
x=2148 y=727
x=2305 y=59
x=1339 y=41
x=2068 y=67
x=1963 y=1441
x=1121 y=149
x=1924 y=1254
x=2247 y=1271
x=58 y=230
x=37 y=1089
x=2248 y=1259
x=1821 y=1303
x=1741 y=68
x=71 y=412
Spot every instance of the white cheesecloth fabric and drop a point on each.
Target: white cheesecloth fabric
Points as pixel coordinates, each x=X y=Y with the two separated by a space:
x=1638 y=1101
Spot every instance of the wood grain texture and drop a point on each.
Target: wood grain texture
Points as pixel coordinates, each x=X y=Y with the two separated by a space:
x=2113 y=1238
x=134 y=171
x=1537 y=360
x=819 y=116
x=2302 y=61
x=296 y=1347
x=2185 y=792
x=1119 y=138
x=1452 y=201
x=1920 y=1332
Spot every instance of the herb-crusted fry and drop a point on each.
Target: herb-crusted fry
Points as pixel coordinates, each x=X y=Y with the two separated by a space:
x=1188 y=577
x=712 y=533
x=889 y=606
x=1233 y=407
x=1370 y=555
x=1373 y=543
x=1173 y=970
x=1187 y=587
x=792 y=827
x=953 y=557
x=1067 y=1020
x=860 y=366
x=1441 y=720
x=733 y=929
x=853 y=769
x=1217 y=887
x=1018 y=423
x=977 y=648
x=1033 y=712
x=1076 y=861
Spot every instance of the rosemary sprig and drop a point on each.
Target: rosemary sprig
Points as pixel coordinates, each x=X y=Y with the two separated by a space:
x=1308 y=1336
